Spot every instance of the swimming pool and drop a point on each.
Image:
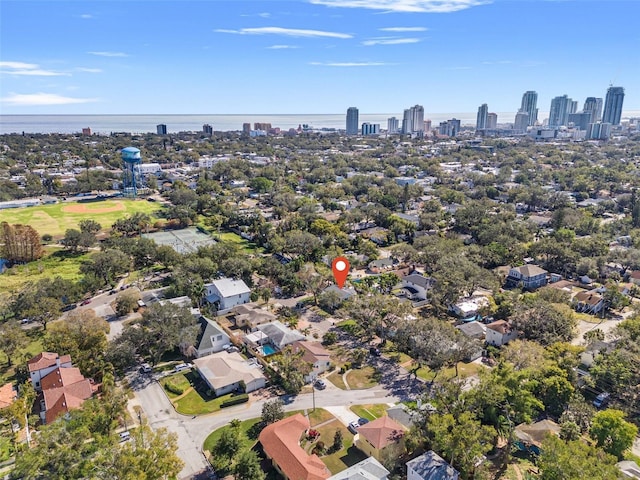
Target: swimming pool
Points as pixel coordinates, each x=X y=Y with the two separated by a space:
x=267 y=349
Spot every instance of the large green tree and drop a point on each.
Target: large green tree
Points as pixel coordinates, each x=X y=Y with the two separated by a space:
x=612 y=432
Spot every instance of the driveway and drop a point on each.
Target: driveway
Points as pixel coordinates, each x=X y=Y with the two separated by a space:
x=606 y=325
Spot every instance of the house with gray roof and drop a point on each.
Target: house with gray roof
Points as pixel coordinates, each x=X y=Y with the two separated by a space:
x=226 y=293
x=279 y=334
x=211 y=338
x=473 y=329
x=417 y=285
x=367 y=469
x=430 y=466
x=529 y=276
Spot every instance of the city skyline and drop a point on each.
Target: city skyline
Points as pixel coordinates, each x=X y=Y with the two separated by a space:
x=310 y=56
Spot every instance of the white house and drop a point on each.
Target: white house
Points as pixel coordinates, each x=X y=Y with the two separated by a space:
x=417 y=285
x=430 y=466
x=210 y=339
x=225 y=372
x=226 y=293
x=43 y=364
x=279 y=334
x=316 y=355
x=500 y=333
x=367 y=469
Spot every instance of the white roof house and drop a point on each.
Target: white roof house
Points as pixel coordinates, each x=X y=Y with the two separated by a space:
x=224 y=372
x=227 y=293
x=279 y=334
x=367 y=469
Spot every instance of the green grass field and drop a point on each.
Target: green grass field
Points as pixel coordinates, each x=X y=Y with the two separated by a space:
x=56 y=262
x=55 y=219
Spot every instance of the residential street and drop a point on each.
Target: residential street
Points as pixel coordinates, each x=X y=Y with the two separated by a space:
x=192 y=431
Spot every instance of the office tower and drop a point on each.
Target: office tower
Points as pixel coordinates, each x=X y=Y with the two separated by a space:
x=593 y=105
x=370 y=128
x=262 y=126
x=427 y=125
x=352 y=121
x=207 y=129
x=450 y=128
x=521 y=122
x=161 y=129
x=559 y=110
x=580 y=120
x=492 y=121
x=86 y=132
x=392 y=125
x=417 y=118
x=530 y=105
x=573 y=107
x=599 y=131
x=481 y=118
x=407 y=126
x=246 y=128
x=613 y=105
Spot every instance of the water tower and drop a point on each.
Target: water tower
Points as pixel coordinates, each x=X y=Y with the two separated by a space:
x=131 y=177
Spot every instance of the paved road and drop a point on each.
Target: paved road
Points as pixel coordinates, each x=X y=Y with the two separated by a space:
x=606 y=325
x=192 y=431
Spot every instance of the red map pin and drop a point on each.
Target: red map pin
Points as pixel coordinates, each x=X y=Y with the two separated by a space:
x=340 y=267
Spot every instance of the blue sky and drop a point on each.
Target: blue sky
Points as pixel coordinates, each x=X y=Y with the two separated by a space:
x=312 y=56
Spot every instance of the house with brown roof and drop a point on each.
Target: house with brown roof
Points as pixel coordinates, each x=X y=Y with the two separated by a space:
x=43 y=364
x=63 y=390
x=8 y=395
x=588 y=302
x=281 y=444
x=529 y=277
x=375 y=437
x=500 y=333
x=316 y=355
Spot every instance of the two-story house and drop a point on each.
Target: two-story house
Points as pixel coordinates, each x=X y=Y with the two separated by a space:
x=211 y=339
x=316 y=355
x=500 y=333
x=417 y=285
x=43 y=364
x=226 y=293
x=378 y=436
x=529 y=277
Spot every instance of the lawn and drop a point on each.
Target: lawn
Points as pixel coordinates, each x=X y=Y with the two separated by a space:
x=362 y=378
x=32 y=349
x=193 y=403
x=56 y=218
x=244 y=245
x=179 y=380
x=55 y=262
x=318 y=416
x=464 y=370
x=336 y=379
x=370 y=412
x=245 y=427
x=344 y=458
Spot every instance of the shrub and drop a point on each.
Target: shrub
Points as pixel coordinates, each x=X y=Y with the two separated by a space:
x=318 y=449
x=173 y=388
x=312 y=434
x=238 y=399
x=47 y=238
x=330 y=338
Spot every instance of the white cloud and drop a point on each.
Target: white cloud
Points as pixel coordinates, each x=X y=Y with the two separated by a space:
x=108 y=54
x=350 y=64
x=499 y=62
x=288 y=32
x=404 y=29
x=389 y=41
x=264 y=15
x=86 y=15
x=36 y=99
x=427 y=6
x=89 y=70
x=282 y=47
x=30 y=69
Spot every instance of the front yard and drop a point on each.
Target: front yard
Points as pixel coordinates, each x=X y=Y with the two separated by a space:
x=356 y=379
x=370 y=412
x=194 y=400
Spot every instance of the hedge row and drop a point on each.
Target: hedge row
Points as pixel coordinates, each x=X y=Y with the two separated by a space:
x=238 y=399
x=173 y=388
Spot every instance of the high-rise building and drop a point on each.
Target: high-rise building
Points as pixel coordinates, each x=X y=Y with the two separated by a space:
x=161 y=129
x=262 y=126
x=392 y=125
x=246 y=128
x=417 y=118
x=613 y=105
x=573 y=107
x=370 y=128
x=450 y=128
x=593 y=105
x=86 y=131
x=560 y=107
x=406 y=122
x=481 y=119
x=599 y=131
x=580 y=120
x=492 y=121
x=427 y=125
x=521 y=122
x=352 y=121
x=207 y=129
x=530 y=105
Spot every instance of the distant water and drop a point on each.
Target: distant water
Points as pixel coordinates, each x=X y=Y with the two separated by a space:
x=105 y=124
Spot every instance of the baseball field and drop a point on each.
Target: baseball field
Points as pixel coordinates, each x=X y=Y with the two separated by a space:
x=56 y=218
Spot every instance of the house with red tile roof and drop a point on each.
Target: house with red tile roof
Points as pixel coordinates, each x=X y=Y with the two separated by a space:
x=375 y=437
x=8 y=395
x=61 y=385
x=43 y=364
x=281 y=444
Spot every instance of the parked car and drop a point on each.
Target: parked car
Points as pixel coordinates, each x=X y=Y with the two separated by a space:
x=112 y=292
x=353 y=427
x=363 y=421
x=182 y=366
x=69 y=307
x=86 y=302
x=320 y=384
x=375 y=351
x=145 y=368
x=124 y=436
x=24 y=321
x=601 y=400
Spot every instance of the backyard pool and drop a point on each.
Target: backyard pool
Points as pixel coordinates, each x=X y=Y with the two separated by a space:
x=267 y=349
